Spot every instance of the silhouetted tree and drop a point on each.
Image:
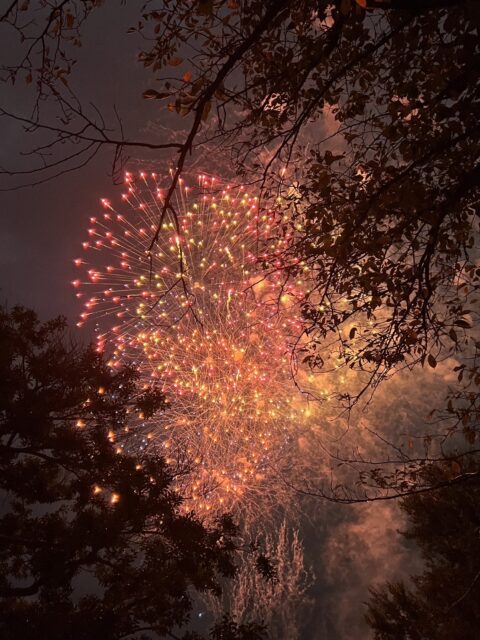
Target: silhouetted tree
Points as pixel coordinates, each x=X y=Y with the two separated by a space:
x=379 y=209
x=443 y=603
x=94 y=540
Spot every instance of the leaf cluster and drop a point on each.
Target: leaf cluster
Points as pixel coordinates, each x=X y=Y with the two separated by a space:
x=95 y=542
x=442 y=602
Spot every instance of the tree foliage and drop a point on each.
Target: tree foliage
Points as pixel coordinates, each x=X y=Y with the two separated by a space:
x=95 y=543
x=381 y=208
x=381 y=219
x=443 y=602
x=358 y=119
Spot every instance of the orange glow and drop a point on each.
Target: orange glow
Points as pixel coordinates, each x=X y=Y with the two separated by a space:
x=198 y=314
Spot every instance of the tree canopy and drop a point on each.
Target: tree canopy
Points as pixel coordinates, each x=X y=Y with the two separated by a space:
x=381 y=211
x=443 y=602
x=95 y=542
x=361 y=115
x=355 y=119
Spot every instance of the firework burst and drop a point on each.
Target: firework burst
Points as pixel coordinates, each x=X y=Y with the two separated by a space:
x=197 y=312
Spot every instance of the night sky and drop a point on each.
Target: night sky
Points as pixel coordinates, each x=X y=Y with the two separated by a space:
x=42 y=226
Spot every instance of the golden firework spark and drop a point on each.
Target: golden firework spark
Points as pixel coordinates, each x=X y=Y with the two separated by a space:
x=198 y=313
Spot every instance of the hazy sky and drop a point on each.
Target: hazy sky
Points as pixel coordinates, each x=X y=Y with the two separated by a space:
x=42 y=226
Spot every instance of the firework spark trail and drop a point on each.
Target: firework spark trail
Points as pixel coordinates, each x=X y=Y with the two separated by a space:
x=198 y=314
